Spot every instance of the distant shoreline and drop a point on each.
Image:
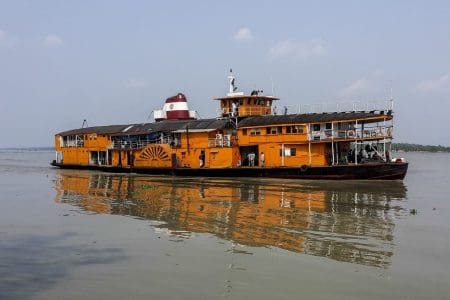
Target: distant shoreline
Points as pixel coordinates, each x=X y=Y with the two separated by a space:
x=406 y=147
x=397 y=147
x=28 y=149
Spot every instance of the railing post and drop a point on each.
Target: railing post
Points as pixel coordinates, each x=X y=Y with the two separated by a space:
x=384 y=141
x=332 y=144
x=309 y=143
x=356 y=142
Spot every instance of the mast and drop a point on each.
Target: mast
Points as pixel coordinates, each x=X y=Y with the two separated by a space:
x=232 y=87
x=391 y=98
x=392 y=124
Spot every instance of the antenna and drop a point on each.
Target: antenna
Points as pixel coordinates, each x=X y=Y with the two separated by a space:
x=273 y=92
x=150 y=115
x=391 y=98
x=85 y=123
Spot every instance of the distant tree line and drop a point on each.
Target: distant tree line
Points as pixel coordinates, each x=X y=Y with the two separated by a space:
x=415 y=147
x=28 y=148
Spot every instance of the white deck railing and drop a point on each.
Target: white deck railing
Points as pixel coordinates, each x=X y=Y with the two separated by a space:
x=120 y=144
x=324 y=107
x=368 y=133
x=220 y=141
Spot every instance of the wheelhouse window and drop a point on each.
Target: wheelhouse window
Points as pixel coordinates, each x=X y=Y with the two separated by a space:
x=316 y=127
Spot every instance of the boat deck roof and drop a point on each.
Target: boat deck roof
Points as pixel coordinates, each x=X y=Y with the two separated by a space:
x=315 y=118
x=217 y=124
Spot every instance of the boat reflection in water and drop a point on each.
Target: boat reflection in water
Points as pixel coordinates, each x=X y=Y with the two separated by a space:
x=344 y=221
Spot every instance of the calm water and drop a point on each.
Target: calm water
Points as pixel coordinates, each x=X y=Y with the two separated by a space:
x=77 y=234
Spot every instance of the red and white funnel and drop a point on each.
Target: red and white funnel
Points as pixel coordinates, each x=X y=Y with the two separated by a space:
x=175 y=108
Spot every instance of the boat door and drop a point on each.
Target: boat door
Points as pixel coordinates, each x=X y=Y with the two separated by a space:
x=246 y=155
x=110 y=157
x=174 y=160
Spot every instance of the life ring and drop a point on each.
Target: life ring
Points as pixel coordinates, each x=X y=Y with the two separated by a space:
x=304 y=168
x=350 y=133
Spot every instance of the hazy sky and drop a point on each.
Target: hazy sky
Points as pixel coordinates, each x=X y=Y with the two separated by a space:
x=113 y=62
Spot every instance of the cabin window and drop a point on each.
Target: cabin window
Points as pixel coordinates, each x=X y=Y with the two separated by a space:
x=288 y=151
x=244 y=131
x=328 y=125
x=293 y=151
x=249 y=101
x=295 y=129
x=273 y=130
x=241 y=101
x=299 y=128
x=316 y=127
x=255 y=131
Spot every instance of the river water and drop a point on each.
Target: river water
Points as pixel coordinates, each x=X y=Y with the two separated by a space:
x=68 y=234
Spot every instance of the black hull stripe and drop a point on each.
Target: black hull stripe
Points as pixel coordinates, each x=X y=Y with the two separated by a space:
x=378 y=171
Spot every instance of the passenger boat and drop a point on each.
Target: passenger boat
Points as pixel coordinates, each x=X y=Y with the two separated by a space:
x=248 y=138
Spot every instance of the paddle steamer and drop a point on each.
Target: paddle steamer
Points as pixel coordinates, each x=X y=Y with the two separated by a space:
x=249 y=137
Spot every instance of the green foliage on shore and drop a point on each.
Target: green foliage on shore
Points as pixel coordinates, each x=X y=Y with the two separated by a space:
x=416 y=147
